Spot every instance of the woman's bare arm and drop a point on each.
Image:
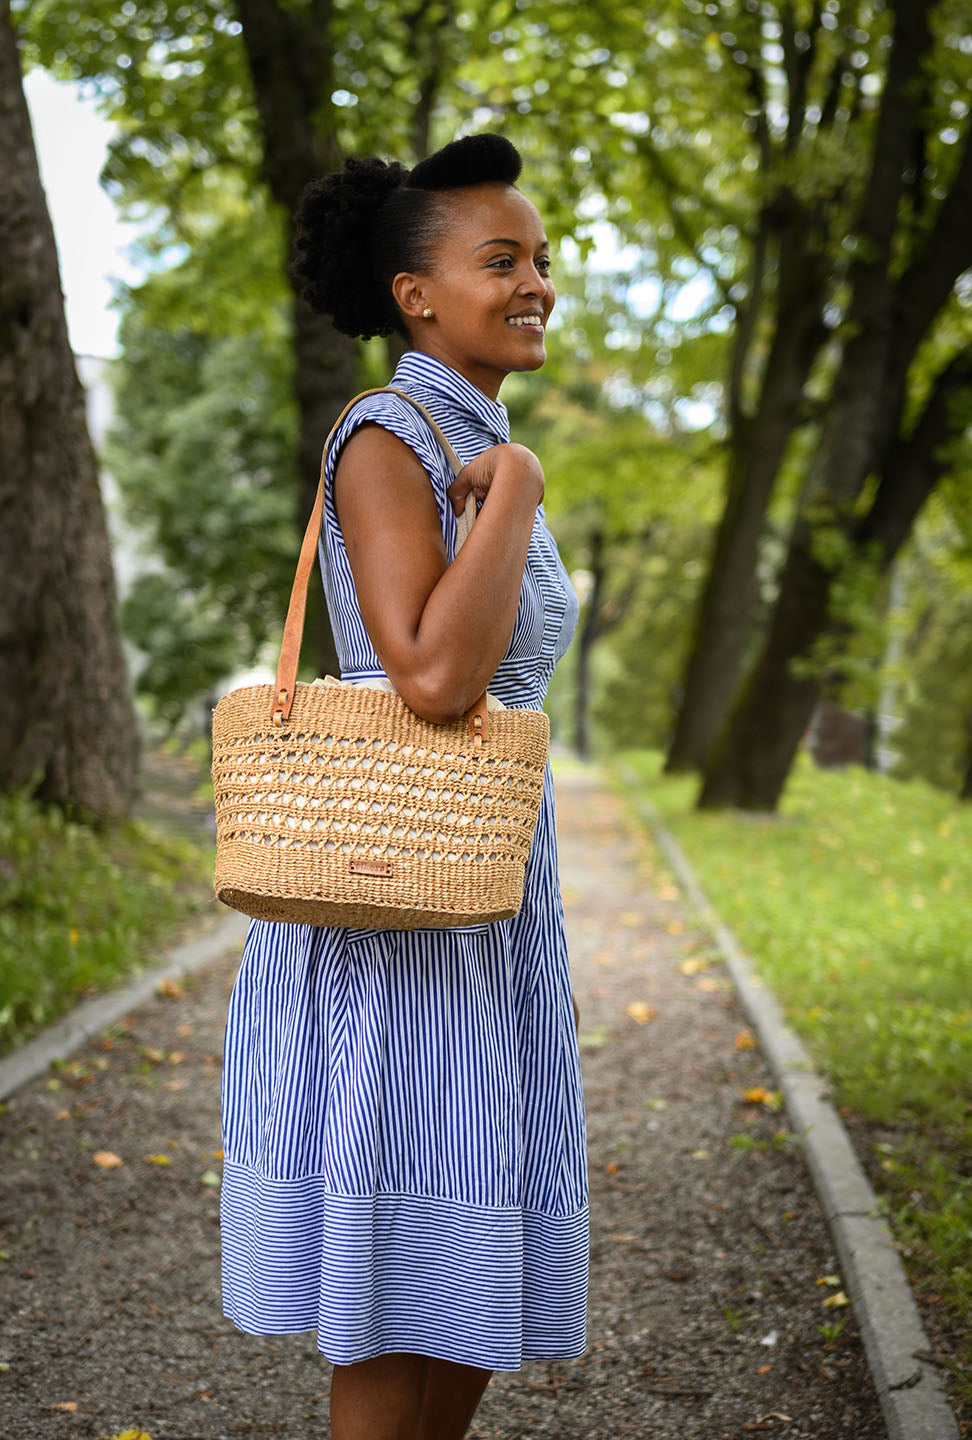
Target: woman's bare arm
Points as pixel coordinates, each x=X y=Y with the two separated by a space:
x=439 y=630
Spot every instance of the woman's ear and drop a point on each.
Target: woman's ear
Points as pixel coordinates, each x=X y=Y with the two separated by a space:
x=409 y=296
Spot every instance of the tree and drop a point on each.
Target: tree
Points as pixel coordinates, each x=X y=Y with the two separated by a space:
x=67 y=726
x=914 y=240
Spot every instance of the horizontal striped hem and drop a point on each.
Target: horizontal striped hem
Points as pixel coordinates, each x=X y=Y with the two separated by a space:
x=484 y=1286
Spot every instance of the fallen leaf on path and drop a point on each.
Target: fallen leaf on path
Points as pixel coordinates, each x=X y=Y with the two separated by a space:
x=158 y=1159
x=107 y=1160
x=592 y=1039
x=675 y=927
x=603 y=957
x=641 y=1012
x=612 y=1167
x=133 y=1435
x=69 y=1405
x=63 y=1115
x=175 y=1057
x=772 y=1099
x=828 y=1280
x=209 y=1177
x=710 y=985
x=217 y=1154
x=693 y=965
x=836 y=1302
x=763 y=1369
x=771 y=1338
x=700 y=1154
x=630 y=918
x=175 y=1084
x=745 y=1040
x=170 y=990
x=184 y=1030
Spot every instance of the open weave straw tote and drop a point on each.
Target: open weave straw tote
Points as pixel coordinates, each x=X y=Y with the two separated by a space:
x=337 y=805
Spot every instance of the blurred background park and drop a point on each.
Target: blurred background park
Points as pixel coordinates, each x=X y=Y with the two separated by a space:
x=754 y=424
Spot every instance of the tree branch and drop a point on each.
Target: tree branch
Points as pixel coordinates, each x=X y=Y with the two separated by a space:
x=945 y=254
x=797 y=64
x=914 y=466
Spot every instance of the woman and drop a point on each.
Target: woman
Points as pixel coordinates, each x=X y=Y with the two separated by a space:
x=403 y=1119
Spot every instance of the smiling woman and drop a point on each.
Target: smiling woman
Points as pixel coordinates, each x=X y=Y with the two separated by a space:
x=403 y=1119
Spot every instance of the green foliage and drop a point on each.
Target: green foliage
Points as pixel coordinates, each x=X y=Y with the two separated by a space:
x=853 y=904
x=202 y=454
x=80 y=909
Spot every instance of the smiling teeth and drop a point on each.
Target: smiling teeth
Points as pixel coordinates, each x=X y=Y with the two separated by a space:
x=531 y=320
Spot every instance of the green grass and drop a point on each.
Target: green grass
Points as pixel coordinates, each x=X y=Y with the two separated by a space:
x=854 y=904
x=80 y=909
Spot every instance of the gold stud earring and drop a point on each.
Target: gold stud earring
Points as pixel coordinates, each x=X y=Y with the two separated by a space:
x=427 y=313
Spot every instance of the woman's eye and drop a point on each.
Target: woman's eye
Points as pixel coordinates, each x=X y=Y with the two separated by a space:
x=504 y=262
x=543 y=264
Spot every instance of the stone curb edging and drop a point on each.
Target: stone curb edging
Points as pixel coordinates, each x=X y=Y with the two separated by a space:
x=910 y=1391
x=60 y=1040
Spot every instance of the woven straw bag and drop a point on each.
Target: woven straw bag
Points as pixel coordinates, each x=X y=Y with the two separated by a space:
x=337 y=805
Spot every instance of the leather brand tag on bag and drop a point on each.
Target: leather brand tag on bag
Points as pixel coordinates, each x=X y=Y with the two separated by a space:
x=383 y=869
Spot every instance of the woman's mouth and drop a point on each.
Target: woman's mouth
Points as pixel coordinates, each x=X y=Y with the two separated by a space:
x=532 y=322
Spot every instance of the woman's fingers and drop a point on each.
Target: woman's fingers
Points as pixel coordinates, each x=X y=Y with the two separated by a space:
x=478 y=475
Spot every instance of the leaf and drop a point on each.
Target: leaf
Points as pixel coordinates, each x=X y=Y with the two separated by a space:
x=631 y=918
x=107 y=1160
x=69 y=1405
x=209 y=1177
x=159 y=1159
x=772 y=1099
x=641 y=1012
x=693 y=965
x=836 y=1302
x=170 y=990
x=828 y=1280
x=745 y=1040
x=132 y=1435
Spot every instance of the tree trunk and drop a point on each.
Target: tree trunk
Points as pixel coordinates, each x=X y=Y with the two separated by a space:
x=588 y=633
x=965 y=789
x=289 y=52
x=725 y=617
x=67 y=723
x=751 y=759
x=726 y=608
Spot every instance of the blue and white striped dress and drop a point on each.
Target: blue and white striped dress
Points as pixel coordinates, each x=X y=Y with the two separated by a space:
x=403 y=1121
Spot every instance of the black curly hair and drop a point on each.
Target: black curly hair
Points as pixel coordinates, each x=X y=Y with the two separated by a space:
x=359 y=227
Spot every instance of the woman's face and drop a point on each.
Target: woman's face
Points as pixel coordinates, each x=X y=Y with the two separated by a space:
x=489 y=287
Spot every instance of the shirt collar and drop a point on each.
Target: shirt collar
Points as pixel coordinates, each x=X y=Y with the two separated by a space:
x=417 y=367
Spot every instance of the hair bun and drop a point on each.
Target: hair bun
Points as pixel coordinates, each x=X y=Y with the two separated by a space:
x=336 y=221
x=473 y=160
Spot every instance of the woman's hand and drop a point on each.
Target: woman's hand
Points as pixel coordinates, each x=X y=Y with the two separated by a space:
x=514 y=464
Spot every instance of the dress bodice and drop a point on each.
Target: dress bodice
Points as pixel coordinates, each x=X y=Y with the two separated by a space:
x=547 y=613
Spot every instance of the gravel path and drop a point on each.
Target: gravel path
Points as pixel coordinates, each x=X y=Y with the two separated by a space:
x=711 y=1264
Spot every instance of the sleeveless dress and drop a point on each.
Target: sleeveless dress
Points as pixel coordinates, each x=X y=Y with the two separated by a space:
x=403 y=1121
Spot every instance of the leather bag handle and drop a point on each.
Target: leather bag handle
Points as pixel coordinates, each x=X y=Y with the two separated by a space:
x=285 y=683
